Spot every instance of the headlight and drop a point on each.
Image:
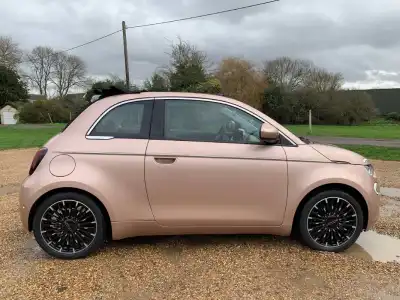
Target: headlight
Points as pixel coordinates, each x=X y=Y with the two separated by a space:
x=370 y=169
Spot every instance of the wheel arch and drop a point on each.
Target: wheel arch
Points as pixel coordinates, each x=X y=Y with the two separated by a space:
x=332 y=186
x=76 y=190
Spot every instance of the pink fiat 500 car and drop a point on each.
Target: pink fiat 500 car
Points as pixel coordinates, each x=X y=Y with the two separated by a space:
x=161 y=163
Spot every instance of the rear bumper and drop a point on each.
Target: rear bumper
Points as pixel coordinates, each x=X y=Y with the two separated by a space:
x=24 y=214
x=26 y=200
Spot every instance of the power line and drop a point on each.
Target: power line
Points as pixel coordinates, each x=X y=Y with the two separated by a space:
x=92 y=41
x=164 y=22
x=84 y=44
x=204 y=15
x=173 y=21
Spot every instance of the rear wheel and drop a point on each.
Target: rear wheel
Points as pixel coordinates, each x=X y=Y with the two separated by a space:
x=331 y=221
x=69 y=225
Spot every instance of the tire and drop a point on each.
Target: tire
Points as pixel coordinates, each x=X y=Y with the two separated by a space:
x=59 y=225
x=334 y=233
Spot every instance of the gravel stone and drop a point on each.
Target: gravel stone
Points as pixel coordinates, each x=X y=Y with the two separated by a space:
x=388 y=172
x=190 y=267
x=14 y=165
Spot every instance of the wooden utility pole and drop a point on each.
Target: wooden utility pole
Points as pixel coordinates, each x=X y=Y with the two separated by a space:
x=125 y=55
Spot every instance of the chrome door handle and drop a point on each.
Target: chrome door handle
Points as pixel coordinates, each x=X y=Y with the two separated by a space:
x=165 y=160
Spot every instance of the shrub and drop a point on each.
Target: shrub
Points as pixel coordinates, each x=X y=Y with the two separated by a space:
x=333 y=107
x=74 y=105
x=393 y=116
x=40 y=111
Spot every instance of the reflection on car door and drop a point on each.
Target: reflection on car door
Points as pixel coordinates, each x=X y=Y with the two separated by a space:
x=196 y=183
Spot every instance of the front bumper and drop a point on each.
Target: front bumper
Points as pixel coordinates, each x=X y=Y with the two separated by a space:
x=373 y=201
x=377 y=188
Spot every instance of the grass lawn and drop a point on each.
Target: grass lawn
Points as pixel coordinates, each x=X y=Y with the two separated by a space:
x=373 y=152
x=26 y=135
x=389 y=131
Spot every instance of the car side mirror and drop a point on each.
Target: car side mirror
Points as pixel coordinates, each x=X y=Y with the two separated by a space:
x=269 y=134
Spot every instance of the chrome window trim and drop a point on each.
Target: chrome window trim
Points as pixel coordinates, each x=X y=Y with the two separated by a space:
x=226 y=103
x=99 y=137
x=92 y=137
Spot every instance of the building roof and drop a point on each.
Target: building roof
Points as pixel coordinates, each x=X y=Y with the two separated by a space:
x=36 y=97
x=78 y=96
x=8 y=104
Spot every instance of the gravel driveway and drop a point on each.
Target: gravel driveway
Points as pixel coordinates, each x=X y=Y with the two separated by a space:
x=192 y=267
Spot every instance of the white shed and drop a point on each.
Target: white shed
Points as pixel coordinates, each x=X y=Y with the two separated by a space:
x=7 y=114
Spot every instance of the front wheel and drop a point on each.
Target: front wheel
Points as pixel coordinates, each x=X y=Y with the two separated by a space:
x=331 y=221
x=69 y=225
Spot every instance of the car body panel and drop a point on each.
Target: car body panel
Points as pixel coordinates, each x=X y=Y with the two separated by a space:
x=304 y=153
x=111 y=170
x=122 y=230
x=207 y=185
x=204 y=189
x=305 y=177
x=337 y=154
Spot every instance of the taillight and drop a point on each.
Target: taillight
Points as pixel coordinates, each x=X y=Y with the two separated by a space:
x=37 y=159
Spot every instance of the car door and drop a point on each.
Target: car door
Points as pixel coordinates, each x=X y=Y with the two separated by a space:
x=197 y=177
x=112 y=157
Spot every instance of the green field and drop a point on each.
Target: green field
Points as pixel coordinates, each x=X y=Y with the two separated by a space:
x=389 y=131
x=374 y=152
x=27 y=136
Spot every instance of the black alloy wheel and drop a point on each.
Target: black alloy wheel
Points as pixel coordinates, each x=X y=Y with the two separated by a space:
x=331 y=221
x=69 y=225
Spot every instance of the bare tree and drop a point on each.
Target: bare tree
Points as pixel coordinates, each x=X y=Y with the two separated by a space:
x=40 y=61
x=10 y=54
x=321 y=80
x=68 y=71
x=287 y=73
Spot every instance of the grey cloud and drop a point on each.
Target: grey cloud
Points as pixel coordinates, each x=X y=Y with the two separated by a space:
x=352 y=37
x=181 y=9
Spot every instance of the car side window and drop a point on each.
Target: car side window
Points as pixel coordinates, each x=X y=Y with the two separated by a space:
x=130 y=120
x=206 y=121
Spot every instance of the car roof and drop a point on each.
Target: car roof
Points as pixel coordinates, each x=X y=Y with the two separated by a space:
x=87 y=118
x=158 y=95
x=96 y=108
x=109 y=101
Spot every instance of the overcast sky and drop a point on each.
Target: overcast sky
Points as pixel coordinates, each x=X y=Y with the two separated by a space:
x=359 y=38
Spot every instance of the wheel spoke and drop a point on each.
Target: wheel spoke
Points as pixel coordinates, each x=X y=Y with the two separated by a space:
x=79 y=241
x=68 y=226
x=332 y=221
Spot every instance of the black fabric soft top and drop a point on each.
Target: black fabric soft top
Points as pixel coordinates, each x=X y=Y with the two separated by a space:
x=110 y=91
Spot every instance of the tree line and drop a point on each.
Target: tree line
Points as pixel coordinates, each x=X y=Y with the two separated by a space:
x=284 y=88
x=44 y=67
